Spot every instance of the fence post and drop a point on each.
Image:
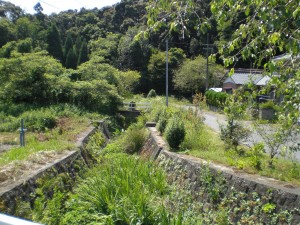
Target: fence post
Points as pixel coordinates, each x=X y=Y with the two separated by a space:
x=22 y=134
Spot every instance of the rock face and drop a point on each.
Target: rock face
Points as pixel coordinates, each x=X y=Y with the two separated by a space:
x=72 y=162
x=192 y=173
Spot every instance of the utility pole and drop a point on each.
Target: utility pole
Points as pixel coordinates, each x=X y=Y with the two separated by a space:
x=207 y=48
x=167 y=73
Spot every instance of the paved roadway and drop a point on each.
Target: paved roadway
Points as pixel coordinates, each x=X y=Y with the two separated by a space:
x=214 y=120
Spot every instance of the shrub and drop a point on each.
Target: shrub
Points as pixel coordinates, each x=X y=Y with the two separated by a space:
x=256 y=155
x=152 y=94
x=175 y=132
x=233 y=133
x=217 y=99
x=134 y=139
x=161 y=125
x=162 y=121
x=267 y=105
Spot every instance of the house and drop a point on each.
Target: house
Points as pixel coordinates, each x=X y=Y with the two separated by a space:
x=242 y=77
x=286 y=57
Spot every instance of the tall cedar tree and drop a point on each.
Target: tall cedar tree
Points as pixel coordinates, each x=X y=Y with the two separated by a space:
x=54 y=43
x=78 y=44
x=71 y=60
x=68 y=45
x=83 y=54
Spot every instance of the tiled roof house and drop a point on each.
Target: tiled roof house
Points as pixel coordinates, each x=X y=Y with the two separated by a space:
x=244 y=77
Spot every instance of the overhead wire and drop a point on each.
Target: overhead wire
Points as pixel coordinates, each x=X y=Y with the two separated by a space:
x=49 y=4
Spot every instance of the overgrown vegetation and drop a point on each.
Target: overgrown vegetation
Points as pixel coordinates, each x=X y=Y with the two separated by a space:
x=125 y=189
x=49 y=129
x=202 y=142
x=175 y=132
x=216 y=99
x=121 y=189
x=92 y=59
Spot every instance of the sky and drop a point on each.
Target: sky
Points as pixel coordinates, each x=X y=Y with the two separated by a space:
x=56 y=6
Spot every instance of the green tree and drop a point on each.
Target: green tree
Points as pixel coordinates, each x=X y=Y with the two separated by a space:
x=25 y=46
x=183 y=17
x=39 y=11
x=133 y=54
x=24 y=28
x=128 y=81
x=7 y=31
x=83 y=54
x=6 y=50
x=54 y=46
x=71 y=60
x=10 y=11
x=191 y=76
x=25 y=78
x=157 y=68
x=269 y=28
x=78 y=44
x=93 y=70
x=68 y=45
x=106 y=47
x=96 y=95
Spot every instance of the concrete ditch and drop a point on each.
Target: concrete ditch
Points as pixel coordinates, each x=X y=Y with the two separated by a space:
x=71 y=162
x=187 y=169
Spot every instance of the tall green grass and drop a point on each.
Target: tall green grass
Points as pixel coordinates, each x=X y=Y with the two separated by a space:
x=123 y=190
x=54 y=128
x=36 y=119
x=33 y=146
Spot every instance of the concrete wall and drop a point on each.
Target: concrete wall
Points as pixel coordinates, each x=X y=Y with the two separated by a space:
x=70 y=163
x=188 y=170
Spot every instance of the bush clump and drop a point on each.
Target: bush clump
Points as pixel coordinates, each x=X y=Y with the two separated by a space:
x=175 y=132
x=152 y=94
x=134 y=139
x=162 y=121
x=268 y=105
x=217 y=99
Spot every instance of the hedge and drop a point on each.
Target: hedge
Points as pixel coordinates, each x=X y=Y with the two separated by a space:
x=214 y=98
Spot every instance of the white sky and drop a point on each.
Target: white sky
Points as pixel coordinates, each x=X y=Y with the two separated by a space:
x=56 y=6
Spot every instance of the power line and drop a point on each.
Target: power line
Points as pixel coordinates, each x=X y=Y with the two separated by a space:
x=50 y=5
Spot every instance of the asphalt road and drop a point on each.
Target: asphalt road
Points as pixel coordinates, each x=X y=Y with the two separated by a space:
x=214 y=120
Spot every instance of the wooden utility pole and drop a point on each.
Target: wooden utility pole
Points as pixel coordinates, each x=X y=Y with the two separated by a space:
x=207 y=48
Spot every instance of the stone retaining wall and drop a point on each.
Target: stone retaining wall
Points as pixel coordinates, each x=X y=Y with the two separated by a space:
x=70 y=163
x=187 y=169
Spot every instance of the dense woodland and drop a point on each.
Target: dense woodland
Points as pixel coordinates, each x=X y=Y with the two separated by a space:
x=94 y=58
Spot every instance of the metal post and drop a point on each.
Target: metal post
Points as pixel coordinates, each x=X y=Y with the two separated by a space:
x=167 y=74
x=22 y=136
